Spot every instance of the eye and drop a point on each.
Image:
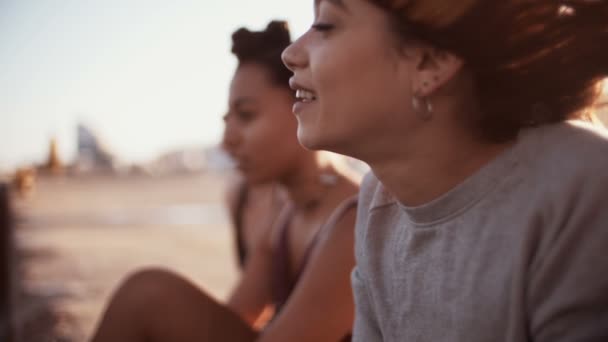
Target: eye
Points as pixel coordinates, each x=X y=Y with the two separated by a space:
x=245 y=116
x=322 y=27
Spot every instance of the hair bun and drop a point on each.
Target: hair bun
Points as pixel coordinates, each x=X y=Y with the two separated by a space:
x=247 y=45
x=278 y=31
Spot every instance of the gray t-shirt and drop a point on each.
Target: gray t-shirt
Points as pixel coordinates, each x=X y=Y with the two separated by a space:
x=517 y=252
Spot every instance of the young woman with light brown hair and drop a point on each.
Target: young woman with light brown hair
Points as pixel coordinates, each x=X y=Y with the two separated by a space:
x=484 y=217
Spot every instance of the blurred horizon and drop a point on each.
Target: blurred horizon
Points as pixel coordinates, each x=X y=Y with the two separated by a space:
x=147 y=76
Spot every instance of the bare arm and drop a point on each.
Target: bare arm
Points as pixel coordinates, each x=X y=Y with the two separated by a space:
x=253 y=291
x=321 y=307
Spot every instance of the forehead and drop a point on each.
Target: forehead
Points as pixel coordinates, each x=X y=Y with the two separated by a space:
x=335 y=2
x=254 y=83
x=252 y=74
x=249 y=80
x=338 y=3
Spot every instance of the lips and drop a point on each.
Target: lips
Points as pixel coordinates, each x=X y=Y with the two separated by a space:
x=304 y=96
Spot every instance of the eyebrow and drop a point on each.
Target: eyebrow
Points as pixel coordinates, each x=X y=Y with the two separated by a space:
x=339 y=3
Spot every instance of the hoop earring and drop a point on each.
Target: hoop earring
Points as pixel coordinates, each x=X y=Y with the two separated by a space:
x=423 y=107
x=415 y=103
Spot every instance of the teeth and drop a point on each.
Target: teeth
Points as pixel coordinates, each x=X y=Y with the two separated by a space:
x=305 y=95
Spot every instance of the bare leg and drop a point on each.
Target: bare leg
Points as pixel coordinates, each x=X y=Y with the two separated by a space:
x=156 y=305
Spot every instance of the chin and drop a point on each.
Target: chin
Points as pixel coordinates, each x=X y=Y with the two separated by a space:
x=307 y=140
x=315 y=142
x=261 y=177
x=259 y=180
x=318 y=142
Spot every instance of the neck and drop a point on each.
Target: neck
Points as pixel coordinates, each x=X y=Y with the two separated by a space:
x=416 y=176
x=305 y=183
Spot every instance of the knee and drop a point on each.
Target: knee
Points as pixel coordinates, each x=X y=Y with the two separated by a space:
x=150 y=287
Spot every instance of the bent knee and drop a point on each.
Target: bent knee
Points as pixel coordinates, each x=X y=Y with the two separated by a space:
x=151 y=277
x=150 y=286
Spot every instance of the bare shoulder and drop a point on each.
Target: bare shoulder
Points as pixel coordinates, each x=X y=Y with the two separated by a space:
x=272 y=235
x=339 y=227
x=342 y=203
x=347 y=186
x=341 y=230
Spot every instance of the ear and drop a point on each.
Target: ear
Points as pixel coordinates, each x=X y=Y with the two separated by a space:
x=434 y=68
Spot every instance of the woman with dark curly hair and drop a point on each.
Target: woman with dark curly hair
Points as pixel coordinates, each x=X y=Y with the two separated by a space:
x=484 y=217
x=300 y=266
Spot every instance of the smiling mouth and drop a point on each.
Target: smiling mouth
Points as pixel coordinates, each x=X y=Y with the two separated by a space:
x=305 y=96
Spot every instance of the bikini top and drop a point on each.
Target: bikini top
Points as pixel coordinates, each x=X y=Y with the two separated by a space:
x=283 y=279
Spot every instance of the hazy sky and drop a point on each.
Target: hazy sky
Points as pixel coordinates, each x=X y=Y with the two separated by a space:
x=147 y=75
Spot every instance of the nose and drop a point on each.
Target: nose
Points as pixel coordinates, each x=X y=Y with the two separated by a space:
x=294 y=56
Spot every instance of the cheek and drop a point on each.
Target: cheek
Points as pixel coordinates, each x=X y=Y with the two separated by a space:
x=260 y=143
x=352 y=85
x=272 y=144
x=360 y=96
x=351 y=71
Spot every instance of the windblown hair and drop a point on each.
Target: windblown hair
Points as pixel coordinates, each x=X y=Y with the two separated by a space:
x=264 y=48
x=533 y=61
